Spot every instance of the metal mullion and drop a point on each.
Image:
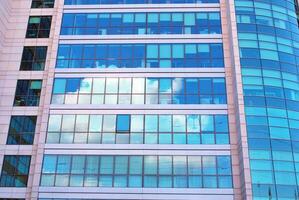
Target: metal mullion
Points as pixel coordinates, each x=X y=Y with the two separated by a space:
x=104 y=94
x=128 y=169
x=202 y=174
x=101 y=131
x=117 y=94
x=158 y=170
x=199 y=92
x=88 y=130
x=84 y=169
x=144 y=91
x=172 y=170
x=186 y=132
x=113 y=170
x=99 y=169
x=172 y=131
x=187 y=171
x=145 y=55
x=143 y=131
x=200 y=128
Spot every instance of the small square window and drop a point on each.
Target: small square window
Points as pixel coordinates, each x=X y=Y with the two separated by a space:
x=21 y=130
x=15 y=171
x=33 y=58
x=42 y=3
x=28 y=93
x=39 y=27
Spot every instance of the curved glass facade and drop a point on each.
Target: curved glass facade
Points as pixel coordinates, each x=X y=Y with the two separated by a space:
x=269 y=52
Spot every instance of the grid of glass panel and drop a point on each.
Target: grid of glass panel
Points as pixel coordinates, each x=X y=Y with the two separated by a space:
x=42 y=3
x=33 y=58
x=141 y=23
x=89 y=2
x=137 y=171
x=15 y=170
x=28 y=93
x=269 y=51
x=140 y=56
x=138 y=129
x=139 y=91
x=21 y=130
x=39 y=27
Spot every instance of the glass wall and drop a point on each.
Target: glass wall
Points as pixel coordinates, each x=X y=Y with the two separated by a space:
x=39 y=27
x=28 y=93
x=140 y=56
x=141 y=23
x=269 y=50
x=137 y=171
x=15 y=171
x=89 y=2
x=21 y=130
x=139 y=91
x=138 y=129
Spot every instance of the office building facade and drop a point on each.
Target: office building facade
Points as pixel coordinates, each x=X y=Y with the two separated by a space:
x=149 y=99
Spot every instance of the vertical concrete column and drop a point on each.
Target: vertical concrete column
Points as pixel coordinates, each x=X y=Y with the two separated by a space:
x=48 y=80
x=236 y=112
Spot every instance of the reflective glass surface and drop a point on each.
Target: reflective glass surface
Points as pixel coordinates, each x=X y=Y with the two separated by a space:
x=33 y=58
x=139 y=91
x=15 y=170
x=140 y=56
x=42 y=3
x=137 y=171
x=89 y=2
x=28 y=93
x=269 y=50
x=141 y=23
x=138 y=129
x=39 y=27
x=21 y=130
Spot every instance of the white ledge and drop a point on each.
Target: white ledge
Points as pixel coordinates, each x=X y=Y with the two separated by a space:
x=176 y=147
x=138 y=112
x=149 y=152
x=136 y=193
x=139 y=39
x=136 y=190
x=148 y=7
x=210 y=70
x=209 y=107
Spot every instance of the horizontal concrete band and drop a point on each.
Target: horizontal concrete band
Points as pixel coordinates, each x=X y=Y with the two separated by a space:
x=141 y=9
x=102 y=74
x=175 y=147
x=148 y=7
x=139 y=39
x=138 y=196
x=207 y=107
x=118 y=196
x=161 y=191
x=138 y=112
x=12 y=192
x=126 y=151
x=207 y=71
